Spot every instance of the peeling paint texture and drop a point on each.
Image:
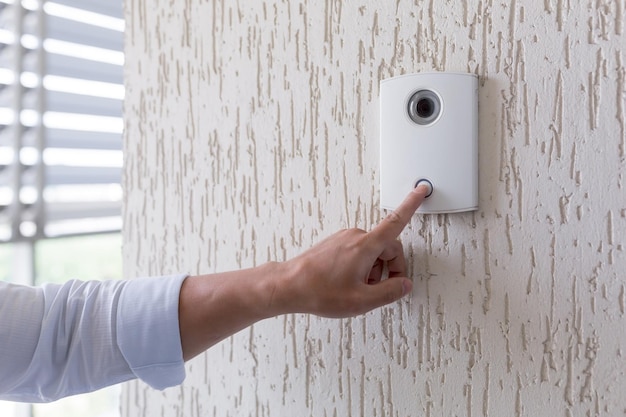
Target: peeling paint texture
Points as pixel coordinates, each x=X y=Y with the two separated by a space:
x=252 y=133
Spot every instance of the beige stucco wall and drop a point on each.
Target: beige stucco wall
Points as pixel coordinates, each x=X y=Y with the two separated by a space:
x=252 y=133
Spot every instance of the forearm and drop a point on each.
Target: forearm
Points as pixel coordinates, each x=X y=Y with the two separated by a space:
x=213 y=307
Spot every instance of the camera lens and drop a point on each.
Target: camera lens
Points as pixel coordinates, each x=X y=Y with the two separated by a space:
x=424 y=107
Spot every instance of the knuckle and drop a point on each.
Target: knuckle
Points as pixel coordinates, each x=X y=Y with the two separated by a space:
x=356 y=231
x=393 y=250
x=394 y=217
x=354 y=238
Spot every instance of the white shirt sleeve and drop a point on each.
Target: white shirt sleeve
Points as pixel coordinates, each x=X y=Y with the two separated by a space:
x=60 y=340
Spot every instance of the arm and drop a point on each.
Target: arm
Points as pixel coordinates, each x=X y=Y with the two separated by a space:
x=60 y=340
x=339 y=277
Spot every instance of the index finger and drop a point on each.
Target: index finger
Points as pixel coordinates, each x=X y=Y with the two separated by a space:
x=392 y=225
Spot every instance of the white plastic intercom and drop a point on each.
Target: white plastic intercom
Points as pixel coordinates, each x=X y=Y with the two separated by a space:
x=429 y=133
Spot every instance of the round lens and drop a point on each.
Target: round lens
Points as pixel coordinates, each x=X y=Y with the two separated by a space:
x=424 y=107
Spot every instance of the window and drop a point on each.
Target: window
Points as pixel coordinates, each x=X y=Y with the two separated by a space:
x=61 y=95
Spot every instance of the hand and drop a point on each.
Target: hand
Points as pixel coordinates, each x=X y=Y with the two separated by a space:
x=341 y=276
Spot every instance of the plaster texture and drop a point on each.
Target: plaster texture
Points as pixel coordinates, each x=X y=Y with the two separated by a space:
x=252 y=133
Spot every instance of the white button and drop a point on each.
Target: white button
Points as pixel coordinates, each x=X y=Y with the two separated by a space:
x=429 y=184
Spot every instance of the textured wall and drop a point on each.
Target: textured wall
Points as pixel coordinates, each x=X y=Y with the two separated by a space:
x=252 y=132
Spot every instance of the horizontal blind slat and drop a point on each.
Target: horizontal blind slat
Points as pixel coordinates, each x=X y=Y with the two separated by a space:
x=56 y=175
x=86 y=34
x=108 y=8
x=73 y=103
x=78 y=210
x=72 y=67
x=71 y=139
x=63 y=175
x=58 y=138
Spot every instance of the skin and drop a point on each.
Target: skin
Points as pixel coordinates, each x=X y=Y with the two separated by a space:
x=338 y=277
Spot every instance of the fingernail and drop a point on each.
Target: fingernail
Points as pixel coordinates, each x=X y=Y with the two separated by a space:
x=424 y=187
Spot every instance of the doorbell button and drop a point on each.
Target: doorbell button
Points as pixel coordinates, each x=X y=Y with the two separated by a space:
x=427 y=183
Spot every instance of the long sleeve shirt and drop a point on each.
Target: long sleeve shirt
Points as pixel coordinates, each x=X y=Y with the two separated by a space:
x=61 y=340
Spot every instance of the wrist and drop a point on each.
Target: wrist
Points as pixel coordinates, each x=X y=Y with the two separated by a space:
x=281 y=295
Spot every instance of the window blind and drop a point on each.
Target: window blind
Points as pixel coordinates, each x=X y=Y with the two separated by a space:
x=61 y=95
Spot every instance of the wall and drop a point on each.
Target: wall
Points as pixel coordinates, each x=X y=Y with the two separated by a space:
x=251 y=133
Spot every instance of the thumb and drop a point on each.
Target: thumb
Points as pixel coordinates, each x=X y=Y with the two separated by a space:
x=388 y=291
